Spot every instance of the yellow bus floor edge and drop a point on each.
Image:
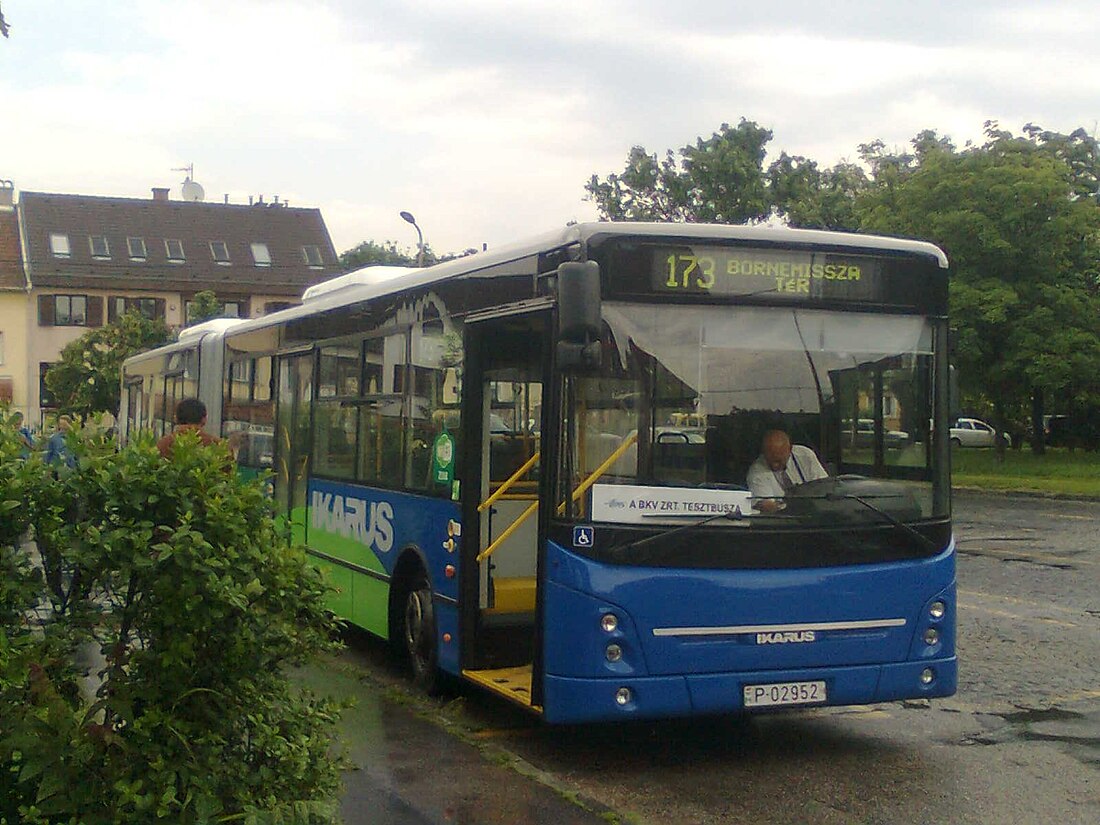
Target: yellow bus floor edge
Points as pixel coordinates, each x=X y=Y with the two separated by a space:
x=512 y=682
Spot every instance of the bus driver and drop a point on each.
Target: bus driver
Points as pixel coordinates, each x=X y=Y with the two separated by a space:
x=780 y=467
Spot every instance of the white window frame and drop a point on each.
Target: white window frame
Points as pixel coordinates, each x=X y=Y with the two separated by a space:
x=309 y=261
x=69 y=320
x=106 y=253
x=223 y=261
x=130 y=249
x=168 y=250
x=264 y=256
x=59 y=245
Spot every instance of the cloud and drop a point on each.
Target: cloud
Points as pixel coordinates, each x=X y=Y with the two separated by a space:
x=486 y=117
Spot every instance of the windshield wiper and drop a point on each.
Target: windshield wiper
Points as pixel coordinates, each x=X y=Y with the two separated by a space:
x=728 y=515
x=926 y=542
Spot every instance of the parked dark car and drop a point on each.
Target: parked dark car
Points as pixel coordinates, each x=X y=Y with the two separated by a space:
x=1079 y=430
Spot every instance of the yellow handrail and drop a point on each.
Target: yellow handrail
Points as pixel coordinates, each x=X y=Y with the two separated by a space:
x=503 y=488
x=582 y=488
x=488 y=551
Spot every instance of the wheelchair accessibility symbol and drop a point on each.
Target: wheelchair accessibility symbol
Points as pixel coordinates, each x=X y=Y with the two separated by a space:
x=583 y=537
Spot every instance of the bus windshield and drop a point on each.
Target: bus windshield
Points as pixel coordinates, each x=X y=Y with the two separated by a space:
x=670 y=427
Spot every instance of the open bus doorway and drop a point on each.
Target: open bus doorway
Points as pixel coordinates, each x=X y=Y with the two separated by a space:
x=501 y=490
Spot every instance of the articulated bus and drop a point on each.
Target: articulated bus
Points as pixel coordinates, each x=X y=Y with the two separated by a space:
x=527 y=468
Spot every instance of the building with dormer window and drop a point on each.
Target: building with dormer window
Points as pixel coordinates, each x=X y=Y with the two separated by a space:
x=72 y=262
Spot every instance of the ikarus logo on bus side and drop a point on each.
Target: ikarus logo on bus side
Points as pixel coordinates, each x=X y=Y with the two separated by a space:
x=368 y=522
x=785 y=637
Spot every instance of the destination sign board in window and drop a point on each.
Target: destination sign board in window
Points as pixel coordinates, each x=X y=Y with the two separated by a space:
x=789 y=275
x=743 y=271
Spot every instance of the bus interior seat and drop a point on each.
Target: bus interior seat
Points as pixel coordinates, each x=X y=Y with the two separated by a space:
x=513 y=594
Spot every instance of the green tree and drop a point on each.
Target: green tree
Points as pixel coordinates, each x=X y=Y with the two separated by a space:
x=203 y=306
x=1024 y=247
x=811 y=198
x=86 y=379
x=371 y=253
x=387 y=253
x=720 y=179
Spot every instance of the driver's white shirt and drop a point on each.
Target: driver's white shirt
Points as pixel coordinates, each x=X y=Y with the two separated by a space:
x=802 y=466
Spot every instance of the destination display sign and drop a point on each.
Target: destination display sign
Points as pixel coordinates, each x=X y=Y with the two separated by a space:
x=742 y=271
x=704 y=271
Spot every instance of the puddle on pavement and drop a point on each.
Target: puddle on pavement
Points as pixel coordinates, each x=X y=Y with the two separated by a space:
x=1078 y=734
x=410 y=771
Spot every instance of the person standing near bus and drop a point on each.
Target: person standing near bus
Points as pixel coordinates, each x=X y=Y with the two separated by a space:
x=190 y=418
x=780 y=467
x=26 y=440
x=57 y=448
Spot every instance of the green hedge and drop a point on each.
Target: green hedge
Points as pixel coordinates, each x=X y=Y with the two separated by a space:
x=174 y=573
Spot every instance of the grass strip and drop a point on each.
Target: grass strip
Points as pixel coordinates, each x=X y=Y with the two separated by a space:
x=1058 y=472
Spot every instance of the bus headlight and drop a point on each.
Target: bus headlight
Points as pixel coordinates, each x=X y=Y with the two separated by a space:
x=614 y=653
x=623 y=696
x=927 y=676
x=931 y=636
x=937 y=609
x=609 y=622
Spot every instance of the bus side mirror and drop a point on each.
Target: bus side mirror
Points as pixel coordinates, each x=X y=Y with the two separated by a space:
x=579 y=316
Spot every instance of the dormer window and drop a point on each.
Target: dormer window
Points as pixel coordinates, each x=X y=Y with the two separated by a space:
x=136 y=248
x=312 y=255
x=174 y=250
x=261 y=254
x=220 y=251
x=59 y=245
x=99 y=246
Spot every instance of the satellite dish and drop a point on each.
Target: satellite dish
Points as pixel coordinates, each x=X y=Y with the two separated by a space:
x=192 y=192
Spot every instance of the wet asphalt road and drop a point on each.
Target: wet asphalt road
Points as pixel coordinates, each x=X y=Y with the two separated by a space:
x=1019 y=743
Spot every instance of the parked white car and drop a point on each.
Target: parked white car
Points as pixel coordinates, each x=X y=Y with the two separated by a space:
x=973 y=432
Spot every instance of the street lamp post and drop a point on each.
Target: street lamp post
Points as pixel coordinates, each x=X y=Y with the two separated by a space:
x=407 y=216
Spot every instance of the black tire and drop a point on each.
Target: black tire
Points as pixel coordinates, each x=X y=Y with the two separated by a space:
x=956 y=442
x=419 y=635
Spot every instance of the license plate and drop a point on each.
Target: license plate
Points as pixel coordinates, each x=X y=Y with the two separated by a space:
x=784 y=693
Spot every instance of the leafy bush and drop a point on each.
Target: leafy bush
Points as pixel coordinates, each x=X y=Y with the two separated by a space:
x=173 y=572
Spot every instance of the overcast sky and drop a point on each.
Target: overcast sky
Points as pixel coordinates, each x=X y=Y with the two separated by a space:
x=485 y=118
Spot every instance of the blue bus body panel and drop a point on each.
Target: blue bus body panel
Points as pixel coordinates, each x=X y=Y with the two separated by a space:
x=692 y=639
x=369 y=529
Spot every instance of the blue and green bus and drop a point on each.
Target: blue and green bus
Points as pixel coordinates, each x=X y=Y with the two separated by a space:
x=529 y=468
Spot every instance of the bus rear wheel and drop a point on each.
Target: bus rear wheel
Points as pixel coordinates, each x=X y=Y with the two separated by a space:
x=420 y=636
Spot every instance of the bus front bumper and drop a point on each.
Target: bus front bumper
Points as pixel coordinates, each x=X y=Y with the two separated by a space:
x=570 y=700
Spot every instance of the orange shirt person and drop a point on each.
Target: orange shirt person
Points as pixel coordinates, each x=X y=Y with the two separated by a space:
x=190 y=418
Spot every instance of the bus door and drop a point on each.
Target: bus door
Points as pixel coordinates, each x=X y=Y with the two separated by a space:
x=292 y=430
x=506 y=363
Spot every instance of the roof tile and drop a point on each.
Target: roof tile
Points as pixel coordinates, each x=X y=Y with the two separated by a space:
x=285 y=230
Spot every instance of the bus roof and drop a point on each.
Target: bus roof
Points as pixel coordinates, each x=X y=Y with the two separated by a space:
x=206 y=327
x=366 y=276
x=367 y=285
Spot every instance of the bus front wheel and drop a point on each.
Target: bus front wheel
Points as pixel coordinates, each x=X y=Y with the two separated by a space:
x=420 y=636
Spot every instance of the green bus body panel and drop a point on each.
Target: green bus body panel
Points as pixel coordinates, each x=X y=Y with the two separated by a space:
x=298 y=525
x=345 y=549
x=361 y=599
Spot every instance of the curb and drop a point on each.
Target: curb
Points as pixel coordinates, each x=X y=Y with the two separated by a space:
x=963 y=488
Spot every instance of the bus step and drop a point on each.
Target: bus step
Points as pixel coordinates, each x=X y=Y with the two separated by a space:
x=513 y=683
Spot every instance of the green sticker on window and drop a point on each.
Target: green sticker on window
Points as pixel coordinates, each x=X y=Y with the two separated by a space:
x=443 y=459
